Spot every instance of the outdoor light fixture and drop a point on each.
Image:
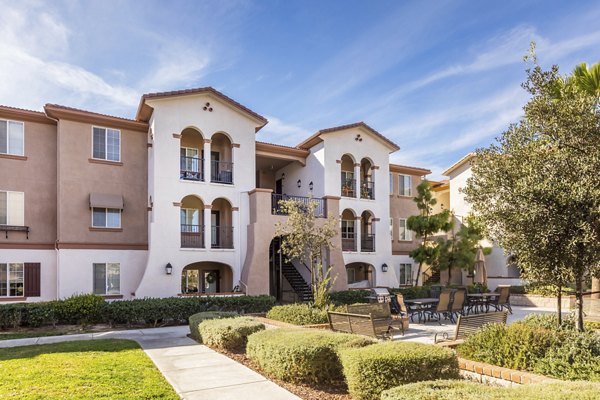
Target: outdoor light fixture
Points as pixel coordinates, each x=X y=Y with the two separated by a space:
x=169 y=269
x=310 y=186
x=299 y=183
x=283 y=176
x=384 y=267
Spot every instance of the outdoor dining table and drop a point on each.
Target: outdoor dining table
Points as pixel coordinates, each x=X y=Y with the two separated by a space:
x=480 y=301
x=422 y=305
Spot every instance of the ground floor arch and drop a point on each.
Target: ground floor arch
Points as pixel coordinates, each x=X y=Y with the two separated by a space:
x=360 y=275
x=206 y=277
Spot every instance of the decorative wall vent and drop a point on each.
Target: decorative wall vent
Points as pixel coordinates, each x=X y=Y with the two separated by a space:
x=207 y=107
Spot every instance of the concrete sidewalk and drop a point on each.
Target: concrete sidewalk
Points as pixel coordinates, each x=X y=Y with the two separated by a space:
x=195 y=371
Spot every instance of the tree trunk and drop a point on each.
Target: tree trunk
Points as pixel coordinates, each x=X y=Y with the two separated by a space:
x=559 y=306
x=418 y=273
x=579 y=304
x=595 y=288
x=449 y=275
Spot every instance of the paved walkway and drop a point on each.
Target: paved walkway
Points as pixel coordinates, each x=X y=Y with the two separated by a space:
x=195 y=371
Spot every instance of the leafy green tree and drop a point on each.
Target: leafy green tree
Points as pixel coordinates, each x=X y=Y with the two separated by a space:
x=538 y=188
x=426 y=225
x=307 y=242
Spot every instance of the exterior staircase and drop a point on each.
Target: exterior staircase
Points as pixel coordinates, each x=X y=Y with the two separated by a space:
x=297 y=282
x=433 y=279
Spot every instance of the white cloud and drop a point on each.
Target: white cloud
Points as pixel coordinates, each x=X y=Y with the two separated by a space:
x=277 y=131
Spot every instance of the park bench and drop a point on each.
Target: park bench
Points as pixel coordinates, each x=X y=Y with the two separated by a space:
x=467 y=325
x=366 y=319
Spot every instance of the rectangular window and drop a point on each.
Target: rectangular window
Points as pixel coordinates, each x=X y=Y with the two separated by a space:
x=405 y=274
x=106 y=218
x=392 y=229
x=106 y=144
x=11 y=137
x=403 y=232
x=12 y=208
x=391 y=183
x=107 y=278
x=347 y=229
x=190 y=216
x=405 y=185
x=11 y=280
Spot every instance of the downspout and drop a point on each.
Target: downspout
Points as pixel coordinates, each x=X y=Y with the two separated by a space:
x=56 y=249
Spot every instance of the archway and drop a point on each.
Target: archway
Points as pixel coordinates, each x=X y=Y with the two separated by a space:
x=348 y=180
x=360 y=275
x=192 y=222
x=221 y=162
x=221 y=222
x=367 y=183
x=207 y=277
x=348 y=227
x=191 y=155
x=367 y=231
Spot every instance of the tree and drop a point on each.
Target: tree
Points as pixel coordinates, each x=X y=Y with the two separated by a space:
x=538 y=188
x=307 y=242
x=426 y=225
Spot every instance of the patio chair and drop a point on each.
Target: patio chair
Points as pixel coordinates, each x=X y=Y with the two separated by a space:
x=503 y=300
x=442 y=308
x=404 y=309
x=457 y=306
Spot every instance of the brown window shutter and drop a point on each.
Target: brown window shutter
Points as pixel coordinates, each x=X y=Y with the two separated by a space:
x=32 y=280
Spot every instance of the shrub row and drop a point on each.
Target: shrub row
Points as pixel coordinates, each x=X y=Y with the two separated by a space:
x=349 y=297
x=298 y=314
x=86 y=309
x=228 y=333
x=465 y=390
x=196 y=319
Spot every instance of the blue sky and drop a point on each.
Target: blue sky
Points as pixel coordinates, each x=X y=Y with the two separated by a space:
x=438 y=78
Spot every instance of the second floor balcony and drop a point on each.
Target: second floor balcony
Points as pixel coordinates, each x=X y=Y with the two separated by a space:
x=191 y=168
x=192 y=236
x=367 y=190
x=221 y=237
x=277 y=209
x=221 y=172
x=367 y=243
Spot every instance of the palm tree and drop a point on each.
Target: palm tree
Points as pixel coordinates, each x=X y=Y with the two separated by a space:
x=588 y=79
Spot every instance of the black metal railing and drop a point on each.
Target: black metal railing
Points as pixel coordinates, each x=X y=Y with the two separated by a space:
x=192 y=236
x=277 y=209
x=348 y=187
x=221 y=171
x=367 y=190
x=367 y=242
x=191 y=168
x=221 y=237
x=349 y=244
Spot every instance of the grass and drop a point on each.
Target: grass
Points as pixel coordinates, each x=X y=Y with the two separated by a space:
x=25 y=335
x=96 y=369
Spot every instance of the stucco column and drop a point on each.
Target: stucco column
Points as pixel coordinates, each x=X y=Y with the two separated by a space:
x=207 y=226
x=207 y=163
x=357 y=180
x=357 y=232
x=595 y=288
x=335 y=255
x=234 y=166
x=235 y=226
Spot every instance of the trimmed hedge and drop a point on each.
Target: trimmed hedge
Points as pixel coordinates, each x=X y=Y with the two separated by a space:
x=349 y=297
x=373 y=369
x=301 y=355
x=196 y=319
x=298 y=314
x=465 y=390
x=228 y=333
x=85 y=309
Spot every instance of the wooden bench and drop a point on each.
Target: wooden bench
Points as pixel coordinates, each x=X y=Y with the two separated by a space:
x=366 y=319
x=467 y=325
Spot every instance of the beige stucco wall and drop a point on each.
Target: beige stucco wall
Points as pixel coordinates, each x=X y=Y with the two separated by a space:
x=402 y=207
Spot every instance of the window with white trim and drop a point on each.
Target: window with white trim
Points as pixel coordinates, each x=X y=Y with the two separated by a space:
x=106 y=217
x=403 y=232
x=106 y=144
x=392 y=229
x=12 y=208
x=12 y=137
x=391 y=183
x=107 y=278
x=405 y=185
x=12 y=282
x=405 y=274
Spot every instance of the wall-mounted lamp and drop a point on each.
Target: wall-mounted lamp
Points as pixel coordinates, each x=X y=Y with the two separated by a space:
x=299 y=183
x=310 y=186
x=283 y=176
x=169 y=269
x=384 y=267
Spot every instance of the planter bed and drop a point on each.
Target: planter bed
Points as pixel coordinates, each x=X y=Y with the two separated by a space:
x=492 y=374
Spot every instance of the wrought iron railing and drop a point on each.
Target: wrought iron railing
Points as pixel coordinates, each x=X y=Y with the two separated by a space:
x=192 y=236
x=277 y=209
x=191 y=168
x=221 y=237
x=367 y=190
x=348 y=187
x=349 y=244
x=367 y=242
x=221 y=171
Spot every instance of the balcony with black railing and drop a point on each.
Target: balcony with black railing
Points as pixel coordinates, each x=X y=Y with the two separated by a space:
x=221 y=172
x=348 y=187
x=221 y=237
x=349 y=243
x=367 y=190
x=277 y=209
x=192 y=236
x=367 y=243
x=191 y=168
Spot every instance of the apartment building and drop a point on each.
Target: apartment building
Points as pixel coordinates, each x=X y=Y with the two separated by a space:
x=183 y=200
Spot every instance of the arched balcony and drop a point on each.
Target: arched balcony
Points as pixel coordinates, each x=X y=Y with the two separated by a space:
x=348 y=180
x=348 y=228
x=221 y=222
x=221 y=159
x=367 y=232
x=367 y=183
x=191 y=155
x=192 y=222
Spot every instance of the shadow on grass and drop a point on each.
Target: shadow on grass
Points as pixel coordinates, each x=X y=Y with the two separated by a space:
x=104 y=345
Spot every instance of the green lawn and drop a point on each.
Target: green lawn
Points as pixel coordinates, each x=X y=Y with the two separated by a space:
x=24 y=335
x=96 y=369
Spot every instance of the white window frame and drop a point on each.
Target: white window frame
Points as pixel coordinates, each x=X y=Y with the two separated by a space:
x=185 y=211
x=8 y=280
x=392 y=229
x=407 y=277
x=8 y=122
x=391 y=183
x=106 y=218
x=106 y=129
x=20 y=221
x=401 y=184
x=106 y=291
x=407 y=237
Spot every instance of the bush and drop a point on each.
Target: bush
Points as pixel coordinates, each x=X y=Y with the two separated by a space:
x=349 y=297
x=11 y=316
x=373 y=369
x=465 y=390
x=83 y=309
x=228 y=333
x=301 y=355
x=298 y=314
x=413 y=292
x=39 y=314
x=516 y=346
x=196 y=319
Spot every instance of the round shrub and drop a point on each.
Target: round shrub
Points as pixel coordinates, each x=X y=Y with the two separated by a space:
x=301 y=355
x=298 y=314
x=466 y=390
x=228 y=333
x=196 y=319
x=373 y=369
